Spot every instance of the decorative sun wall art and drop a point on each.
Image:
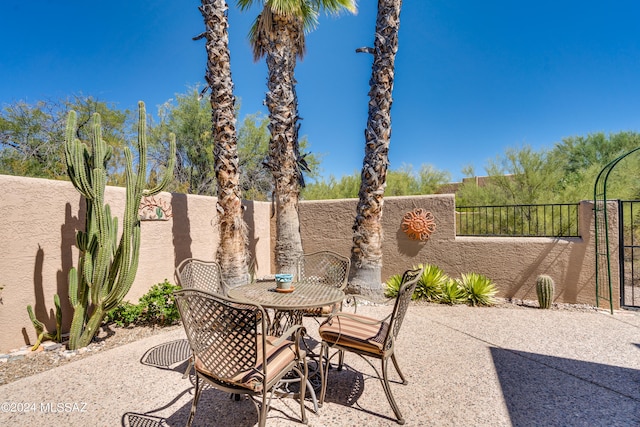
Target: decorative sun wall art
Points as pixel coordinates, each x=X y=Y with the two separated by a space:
x=418 y=224
x=154 y=208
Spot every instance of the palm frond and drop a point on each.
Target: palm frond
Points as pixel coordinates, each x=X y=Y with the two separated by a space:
x=246 y=4
x=336 y=6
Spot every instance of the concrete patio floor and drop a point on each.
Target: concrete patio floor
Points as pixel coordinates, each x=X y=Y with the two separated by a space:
x=465 y=366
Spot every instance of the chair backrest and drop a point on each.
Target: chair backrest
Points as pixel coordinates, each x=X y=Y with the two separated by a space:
x=202 y=275
x=324 y=267
x=223 y=334
x=410 y=279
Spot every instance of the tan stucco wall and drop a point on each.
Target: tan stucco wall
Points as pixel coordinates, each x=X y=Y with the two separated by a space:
x=39 y=221
x=260 y=238
x=512 y=263
x=40 y=218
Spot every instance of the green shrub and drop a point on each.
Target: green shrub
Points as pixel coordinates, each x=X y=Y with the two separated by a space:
x=159 y=305
x=124 y=314
x=156 y=307
x=479 y=290
x=452 y=293
x=430 y=283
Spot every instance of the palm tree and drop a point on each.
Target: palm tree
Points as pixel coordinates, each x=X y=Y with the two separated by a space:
x=278 y=35
x=366 y=252
x=232 y=251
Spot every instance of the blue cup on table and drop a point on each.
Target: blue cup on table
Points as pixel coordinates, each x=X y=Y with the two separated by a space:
x=283 y=281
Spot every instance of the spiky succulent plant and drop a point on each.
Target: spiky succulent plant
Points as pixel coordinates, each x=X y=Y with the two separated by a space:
x=479 y=289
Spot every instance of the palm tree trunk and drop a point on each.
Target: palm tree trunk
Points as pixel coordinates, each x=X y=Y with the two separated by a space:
x=366 y=252
x=232 y=251
x=284 y=156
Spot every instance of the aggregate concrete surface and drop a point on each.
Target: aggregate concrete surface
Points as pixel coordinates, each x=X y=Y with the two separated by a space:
x=465 y=366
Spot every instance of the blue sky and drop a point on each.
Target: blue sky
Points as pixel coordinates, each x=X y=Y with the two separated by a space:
x=472 y=78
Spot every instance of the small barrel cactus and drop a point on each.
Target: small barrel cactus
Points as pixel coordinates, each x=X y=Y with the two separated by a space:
x=545 y=288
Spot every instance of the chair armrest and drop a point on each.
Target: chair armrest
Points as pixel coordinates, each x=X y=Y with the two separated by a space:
x=224 y=288
x=357 y=299
x=297 y=331
x=359 y=319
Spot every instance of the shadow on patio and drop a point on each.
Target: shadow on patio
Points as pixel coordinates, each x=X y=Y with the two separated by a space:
x=548 y=390
x=465 y=367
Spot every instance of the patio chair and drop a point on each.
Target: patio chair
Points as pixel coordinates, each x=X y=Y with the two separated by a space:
x=324 y=267
x=202 y=275
x=368 y=338
x=206 y=276
x=232 y=353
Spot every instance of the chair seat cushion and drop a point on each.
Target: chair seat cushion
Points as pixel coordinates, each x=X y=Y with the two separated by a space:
x=349 y=332
x=278 y=358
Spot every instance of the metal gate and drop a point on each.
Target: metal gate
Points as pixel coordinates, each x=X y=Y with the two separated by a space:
x=627 y=246
x=629 y=232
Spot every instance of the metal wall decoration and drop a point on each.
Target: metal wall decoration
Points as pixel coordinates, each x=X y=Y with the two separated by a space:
x=418 y=224
x=154 y=209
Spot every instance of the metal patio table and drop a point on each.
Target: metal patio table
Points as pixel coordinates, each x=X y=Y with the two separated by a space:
x=289 y=308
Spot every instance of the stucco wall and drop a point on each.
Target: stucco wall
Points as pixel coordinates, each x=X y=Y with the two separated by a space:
x=512 y=263
x=39 y=221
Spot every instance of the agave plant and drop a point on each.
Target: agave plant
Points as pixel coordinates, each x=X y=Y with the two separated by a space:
x=393 y=286
x=452 y=293
x=430 y=283
x=479 y=289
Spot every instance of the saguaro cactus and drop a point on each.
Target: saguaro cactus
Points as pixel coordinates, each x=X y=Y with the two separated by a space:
x=545 y=288
x=106 y=268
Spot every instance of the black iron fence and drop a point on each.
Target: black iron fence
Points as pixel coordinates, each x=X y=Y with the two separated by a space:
x=629 y=247
x=551 y=220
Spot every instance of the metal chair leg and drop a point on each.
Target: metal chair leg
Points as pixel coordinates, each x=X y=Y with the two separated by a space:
x=324 y=371
x=186 y=372
x=340 y=359
x=263 y=411
x=194 y=404
x=387 y=390
x=305 y=373
x=395 y=364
